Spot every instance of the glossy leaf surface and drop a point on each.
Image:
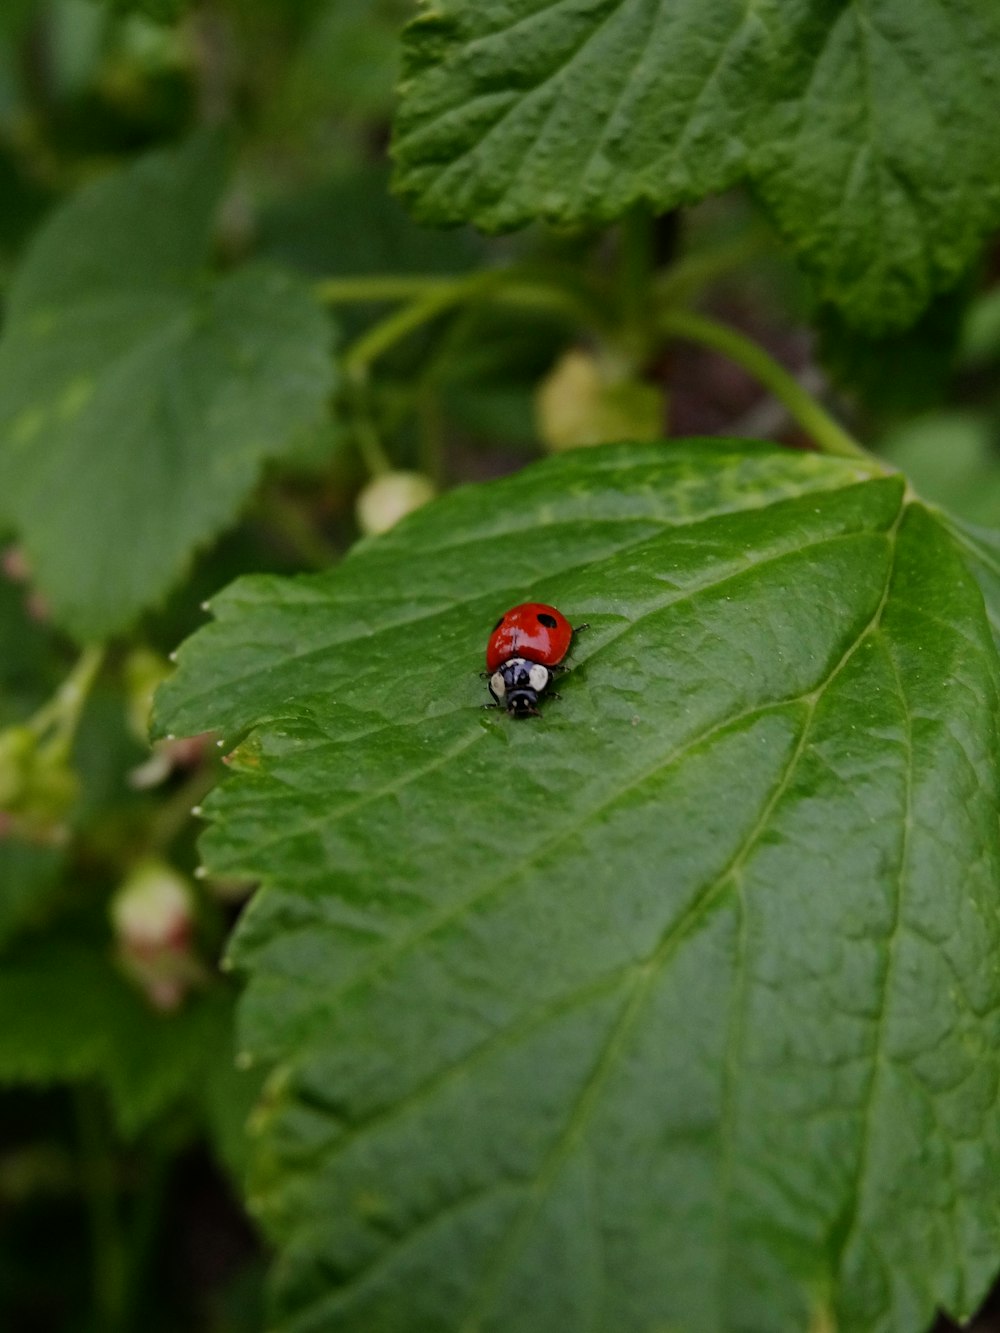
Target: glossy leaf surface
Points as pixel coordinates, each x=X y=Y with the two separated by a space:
x=675 y=1008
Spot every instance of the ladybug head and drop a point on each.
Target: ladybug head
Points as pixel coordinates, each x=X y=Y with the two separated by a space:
x=518 y=683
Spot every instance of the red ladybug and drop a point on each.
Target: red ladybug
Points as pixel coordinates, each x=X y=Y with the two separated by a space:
x=527 y=645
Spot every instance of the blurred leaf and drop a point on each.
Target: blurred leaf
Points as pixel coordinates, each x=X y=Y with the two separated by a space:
x=981 y=330
x=138 y=399
x=67 y=1014
x=868 y=129
x=75 y=36
x=953 y=459
x=347 y=62
x=981 y=548
x=161 y=11
x=351 y=225
x=29 y=663
x=29 y=879
x=229 y=1096
x=488 y=368
x=673 y=1008
x=904 y=372
x=24 y=202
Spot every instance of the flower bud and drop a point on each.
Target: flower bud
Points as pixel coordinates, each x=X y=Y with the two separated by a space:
x=587 y=399
x=390 y=497
x=152 y=914
x=37 y=784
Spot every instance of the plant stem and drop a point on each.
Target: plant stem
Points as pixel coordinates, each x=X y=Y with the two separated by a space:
x=431 y=433
x=689 y=276
x=174 y=813
x=827 y=433
x=436 y=296
x=61 y=714
x=108 y=1250
x=435 y=301
x=636 y=266
x=380 y=287
x=366 y=437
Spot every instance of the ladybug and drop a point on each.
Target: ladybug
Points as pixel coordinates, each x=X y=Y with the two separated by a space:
x=527 y=645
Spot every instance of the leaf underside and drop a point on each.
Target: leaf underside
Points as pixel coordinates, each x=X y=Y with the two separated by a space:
x=139 y=399
x=866 y=128
x=675 y=1008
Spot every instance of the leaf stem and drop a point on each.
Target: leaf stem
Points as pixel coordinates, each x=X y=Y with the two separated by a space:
x=437 y=297
x=635 y=273
x=508 y=286
x=173 y=814
x=61 y=715
x=431 y=429
x=825 y=431
x=690 y=275
x=380 y=287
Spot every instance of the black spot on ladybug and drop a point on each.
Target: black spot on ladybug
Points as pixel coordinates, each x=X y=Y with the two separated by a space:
x=498 y=624
x=549 y=622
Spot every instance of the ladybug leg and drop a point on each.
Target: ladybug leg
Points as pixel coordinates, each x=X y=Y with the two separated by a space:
x=578 y=629
x=485 y=675
x=490 y=705
x=559 y=666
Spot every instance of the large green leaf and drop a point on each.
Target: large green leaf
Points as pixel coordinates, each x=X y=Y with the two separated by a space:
x=866 y=127
x=138 y=399
x=676 y=1008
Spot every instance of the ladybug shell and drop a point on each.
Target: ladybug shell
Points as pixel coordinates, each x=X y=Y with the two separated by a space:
x=532 y=630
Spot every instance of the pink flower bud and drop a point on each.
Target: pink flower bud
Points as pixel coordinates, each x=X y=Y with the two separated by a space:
x=153 y=918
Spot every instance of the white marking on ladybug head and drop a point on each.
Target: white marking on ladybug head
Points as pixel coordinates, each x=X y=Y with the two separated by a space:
x=538 y=677
x=497 y=685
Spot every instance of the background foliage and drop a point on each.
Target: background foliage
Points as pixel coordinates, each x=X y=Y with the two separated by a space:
x=677 y=1009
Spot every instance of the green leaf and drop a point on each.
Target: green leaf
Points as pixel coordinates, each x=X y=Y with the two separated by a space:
x=138 y=399
x=29 y=881
x=905 y=372
x=866 y=128
x=981 y=548
x=30 y=667
x=675 y=1008
x=161 y=11
x=952 y=460
x=67 y=1014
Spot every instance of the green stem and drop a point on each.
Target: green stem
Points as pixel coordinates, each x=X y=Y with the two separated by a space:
x=379 y=287
x=435 y=301
x=431 y=433
x=173 y=814
x=61 y=715
x=366 y=437
x=509 y=286
x=827 y=433
x=636 y=267
x=688 y=277
x=107 y=1240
